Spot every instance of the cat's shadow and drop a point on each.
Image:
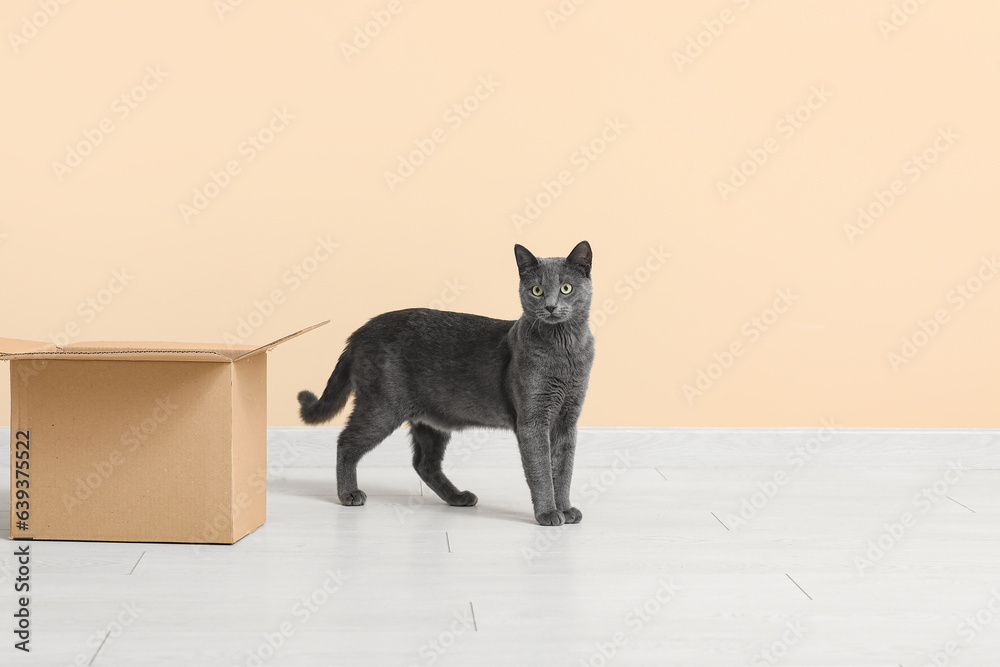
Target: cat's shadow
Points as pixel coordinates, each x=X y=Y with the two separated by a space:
x=379 y=494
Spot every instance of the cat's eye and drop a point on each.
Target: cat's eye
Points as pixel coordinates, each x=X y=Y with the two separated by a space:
x=566 y=288
x=537 y=290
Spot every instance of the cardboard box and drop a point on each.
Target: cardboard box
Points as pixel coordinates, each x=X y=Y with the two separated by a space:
x=138 y=442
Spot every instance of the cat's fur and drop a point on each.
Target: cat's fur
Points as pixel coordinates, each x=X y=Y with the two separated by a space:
x=442 y=371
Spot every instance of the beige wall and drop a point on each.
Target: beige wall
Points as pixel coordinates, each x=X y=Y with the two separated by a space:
x=841 y=103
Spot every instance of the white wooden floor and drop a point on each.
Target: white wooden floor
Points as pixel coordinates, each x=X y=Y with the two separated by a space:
x=664 y=569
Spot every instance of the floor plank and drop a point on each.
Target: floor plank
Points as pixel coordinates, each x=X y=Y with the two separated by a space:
x=674 y=564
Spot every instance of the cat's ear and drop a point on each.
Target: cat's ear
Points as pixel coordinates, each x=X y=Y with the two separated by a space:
x=582 y=257
x=525 y=260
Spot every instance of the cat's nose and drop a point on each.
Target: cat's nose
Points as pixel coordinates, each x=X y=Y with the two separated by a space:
x=551 y=309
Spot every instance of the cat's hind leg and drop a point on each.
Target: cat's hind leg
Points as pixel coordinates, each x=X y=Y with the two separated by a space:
x=367 y=427
x=428 y=452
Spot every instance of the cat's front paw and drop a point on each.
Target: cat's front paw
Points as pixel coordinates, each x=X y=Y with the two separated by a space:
x=572 y=515
x=353 y=498
x=463 y=499
x=551 y=518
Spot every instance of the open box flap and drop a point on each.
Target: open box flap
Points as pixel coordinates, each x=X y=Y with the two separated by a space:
x=11 y=348
x=273 y=344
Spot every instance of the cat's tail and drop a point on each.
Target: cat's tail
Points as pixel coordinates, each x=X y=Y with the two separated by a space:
x=318 y=410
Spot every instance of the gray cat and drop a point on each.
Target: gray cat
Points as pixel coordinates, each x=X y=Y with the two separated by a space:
x=442 y=371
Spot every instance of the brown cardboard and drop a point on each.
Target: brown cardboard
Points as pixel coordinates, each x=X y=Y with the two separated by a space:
x=138 y=441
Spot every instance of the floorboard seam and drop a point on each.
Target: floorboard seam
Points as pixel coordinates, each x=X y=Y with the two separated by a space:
x=106 y=635
x=958 y=503
x=137 y=563
x=797 y=585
